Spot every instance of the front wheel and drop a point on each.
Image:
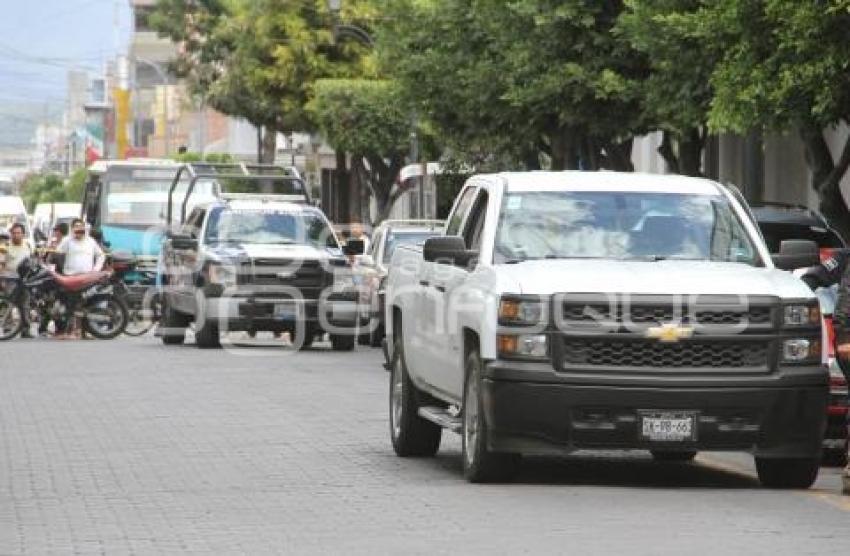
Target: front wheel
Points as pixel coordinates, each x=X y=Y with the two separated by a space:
x=105 y=317
x=342 y=342
x=11 y=318
x=480 y=465
x=787 y=472
x=172 y=327
x=411 y=435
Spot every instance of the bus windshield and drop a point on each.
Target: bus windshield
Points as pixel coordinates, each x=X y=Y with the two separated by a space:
x=144 y=202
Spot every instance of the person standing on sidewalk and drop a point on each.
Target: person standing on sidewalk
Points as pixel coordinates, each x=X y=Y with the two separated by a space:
x=81 y=254
x=19 y=248
x=836 y=270
x=18 y=251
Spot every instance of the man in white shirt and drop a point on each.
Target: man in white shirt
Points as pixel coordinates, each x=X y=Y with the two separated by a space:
x=82 y=253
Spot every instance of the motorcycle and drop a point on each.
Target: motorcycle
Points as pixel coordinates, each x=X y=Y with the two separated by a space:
x=40 y=292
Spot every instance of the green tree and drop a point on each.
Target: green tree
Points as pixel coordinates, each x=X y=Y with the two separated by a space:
x=256 y=59
x=527 y=81
x=76 y=186
x=783 y=68
x=368 y=119
x=677 y=92
x=52 y=188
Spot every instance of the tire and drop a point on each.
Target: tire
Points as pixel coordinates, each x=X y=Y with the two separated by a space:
x=11 y=321
x=307 y=342
x=377 y=336
x=787 y=473
x=834 y=458
x=172 y=326
x=363 y=338
x=411 y=435
x=480 y=465
x=101 y=307
x=342 y=342
x=680 y=455
x=207 y=335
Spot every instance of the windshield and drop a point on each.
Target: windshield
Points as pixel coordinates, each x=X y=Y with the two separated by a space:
x=394 y=239
x=621 y=225
x=141 y=202
x=269 y=227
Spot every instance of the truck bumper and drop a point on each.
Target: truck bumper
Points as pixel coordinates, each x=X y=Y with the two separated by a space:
x=556 y=417
x=331 y=315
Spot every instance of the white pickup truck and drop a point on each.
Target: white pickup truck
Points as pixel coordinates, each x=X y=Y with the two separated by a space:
x=566 y=311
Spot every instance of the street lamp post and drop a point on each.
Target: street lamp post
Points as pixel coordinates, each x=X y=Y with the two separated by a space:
x=163 y=76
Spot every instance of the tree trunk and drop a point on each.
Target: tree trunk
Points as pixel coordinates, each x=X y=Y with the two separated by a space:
x=620 y=156
x=826 y=177
x=269 y=145
x=340 y=204
x=665 y=149
x=566 y=146
x=691 y=145
x=259 y=144
x=590 y=156
x=531 y=158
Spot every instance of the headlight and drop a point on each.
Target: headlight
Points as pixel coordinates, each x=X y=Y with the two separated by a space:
x=800 y=350
x=802 y=315
x=222 y=275
x=513 y=311
x=523 y=345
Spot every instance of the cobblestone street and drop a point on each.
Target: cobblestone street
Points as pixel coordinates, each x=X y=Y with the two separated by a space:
x=131 y=447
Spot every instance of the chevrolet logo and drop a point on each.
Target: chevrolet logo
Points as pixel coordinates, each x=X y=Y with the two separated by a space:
x=670 y=332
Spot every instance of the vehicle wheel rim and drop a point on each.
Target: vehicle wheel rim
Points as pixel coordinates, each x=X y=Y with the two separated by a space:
x=105 y=317
x=470 y=420
x=397 y=397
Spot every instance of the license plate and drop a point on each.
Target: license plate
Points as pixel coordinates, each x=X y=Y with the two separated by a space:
x=668 y=427
x=285 y=312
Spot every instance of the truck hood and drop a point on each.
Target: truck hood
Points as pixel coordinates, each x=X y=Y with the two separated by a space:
x=641 y=277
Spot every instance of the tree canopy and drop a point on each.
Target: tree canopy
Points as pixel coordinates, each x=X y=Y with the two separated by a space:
x=780 y=66
x=527 y=80
x=370 y=120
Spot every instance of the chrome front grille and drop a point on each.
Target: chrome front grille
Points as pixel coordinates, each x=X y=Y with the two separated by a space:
x=309 y=277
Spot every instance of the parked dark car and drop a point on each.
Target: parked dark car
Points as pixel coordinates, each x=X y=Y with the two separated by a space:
x=779 y=222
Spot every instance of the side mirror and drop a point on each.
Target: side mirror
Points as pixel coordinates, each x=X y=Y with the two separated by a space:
x=448 y=250
x=353 y=247
x=796 y=253
x=183 y=242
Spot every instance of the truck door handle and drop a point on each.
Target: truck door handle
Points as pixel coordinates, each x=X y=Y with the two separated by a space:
x=440 y=288
x=424 y=283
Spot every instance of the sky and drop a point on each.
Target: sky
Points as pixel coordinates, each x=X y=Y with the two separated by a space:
x=40 y=40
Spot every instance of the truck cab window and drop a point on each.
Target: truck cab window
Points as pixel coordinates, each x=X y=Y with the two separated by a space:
x=475 y=223
x=461 y=210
